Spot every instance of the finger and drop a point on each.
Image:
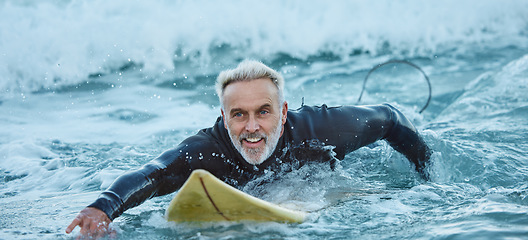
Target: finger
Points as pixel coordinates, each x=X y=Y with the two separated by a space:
x=93 y=226
x=100 y=234
x=73 y=224
x=102 y=227
x=99 y=230
x=112 y=233
x=85 y=227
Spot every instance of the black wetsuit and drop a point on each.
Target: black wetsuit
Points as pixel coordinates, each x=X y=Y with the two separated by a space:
x=347 y=128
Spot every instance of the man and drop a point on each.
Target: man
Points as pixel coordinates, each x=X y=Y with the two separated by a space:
x=256 y=132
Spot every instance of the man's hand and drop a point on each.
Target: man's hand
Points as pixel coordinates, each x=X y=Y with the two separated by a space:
x=92 y=221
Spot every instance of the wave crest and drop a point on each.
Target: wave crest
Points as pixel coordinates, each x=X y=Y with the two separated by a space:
x=50 y=43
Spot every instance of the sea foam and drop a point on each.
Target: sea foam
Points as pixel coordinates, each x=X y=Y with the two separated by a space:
x=48 y=44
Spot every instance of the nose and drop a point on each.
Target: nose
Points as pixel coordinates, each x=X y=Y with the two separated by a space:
x=252 y=125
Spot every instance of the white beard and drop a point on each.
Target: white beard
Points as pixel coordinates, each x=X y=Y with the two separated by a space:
x=256 y=156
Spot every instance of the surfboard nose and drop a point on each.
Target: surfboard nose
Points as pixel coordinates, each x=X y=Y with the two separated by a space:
x=203 y=197
x=200 y=173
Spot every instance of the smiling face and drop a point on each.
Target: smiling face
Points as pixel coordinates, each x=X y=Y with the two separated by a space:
x=254 y=117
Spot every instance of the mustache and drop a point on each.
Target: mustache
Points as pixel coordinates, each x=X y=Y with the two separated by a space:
x=252 y=135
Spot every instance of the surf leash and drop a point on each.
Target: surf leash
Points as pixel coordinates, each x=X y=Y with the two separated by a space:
x=398 y=62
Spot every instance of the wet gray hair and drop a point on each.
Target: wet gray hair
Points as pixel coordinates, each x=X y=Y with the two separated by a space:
x=248 y=70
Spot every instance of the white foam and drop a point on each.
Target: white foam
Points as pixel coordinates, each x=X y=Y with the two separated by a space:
x=37 y=171
x=50 y=43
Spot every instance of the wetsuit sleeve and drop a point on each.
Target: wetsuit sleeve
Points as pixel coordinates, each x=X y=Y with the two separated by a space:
x=133 y=188
x=351 y=127
x=161 y=176
x=404 y=138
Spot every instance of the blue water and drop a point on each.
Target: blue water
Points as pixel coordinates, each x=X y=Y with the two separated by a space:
x=91 y=89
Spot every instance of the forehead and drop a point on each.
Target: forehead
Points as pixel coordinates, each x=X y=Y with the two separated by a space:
x=247 y=93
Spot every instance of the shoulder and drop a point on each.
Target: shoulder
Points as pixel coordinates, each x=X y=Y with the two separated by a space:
x=313 y=109
x=324 y=112
x=315 y=121
x=304 y=111
x=207 y=137
x=203 y=142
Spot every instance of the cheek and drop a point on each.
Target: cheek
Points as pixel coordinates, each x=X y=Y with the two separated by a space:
x=235 y=127
x=270 y=124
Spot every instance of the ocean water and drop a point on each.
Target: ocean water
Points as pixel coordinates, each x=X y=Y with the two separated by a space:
x=92 y=89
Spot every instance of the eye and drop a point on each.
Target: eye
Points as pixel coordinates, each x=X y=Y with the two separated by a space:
x=237 y=114
x=263 y=112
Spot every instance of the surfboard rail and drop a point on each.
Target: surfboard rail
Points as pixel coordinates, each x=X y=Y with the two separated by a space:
x=203 y=197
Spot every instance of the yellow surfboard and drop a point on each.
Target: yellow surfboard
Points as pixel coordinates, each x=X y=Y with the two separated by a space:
x=203 y=197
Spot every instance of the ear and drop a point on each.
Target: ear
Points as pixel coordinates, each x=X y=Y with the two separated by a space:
x=223 y=117
x=284 y=112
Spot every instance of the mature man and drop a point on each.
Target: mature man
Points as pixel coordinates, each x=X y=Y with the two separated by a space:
x=256 y=132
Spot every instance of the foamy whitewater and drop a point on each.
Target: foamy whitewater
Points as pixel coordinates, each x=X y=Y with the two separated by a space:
x=92 y=89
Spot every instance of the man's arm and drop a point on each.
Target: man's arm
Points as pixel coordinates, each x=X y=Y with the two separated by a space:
x=164 y=175
x=92 y=221
x=404 y=138
x=161 y=176
x=351 y=127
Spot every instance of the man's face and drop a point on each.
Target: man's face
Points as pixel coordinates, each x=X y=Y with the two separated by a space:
x=254 y=118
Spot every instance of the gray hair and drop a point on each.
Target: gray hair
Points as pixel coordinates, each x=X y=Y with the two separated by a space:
x=248 y=70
